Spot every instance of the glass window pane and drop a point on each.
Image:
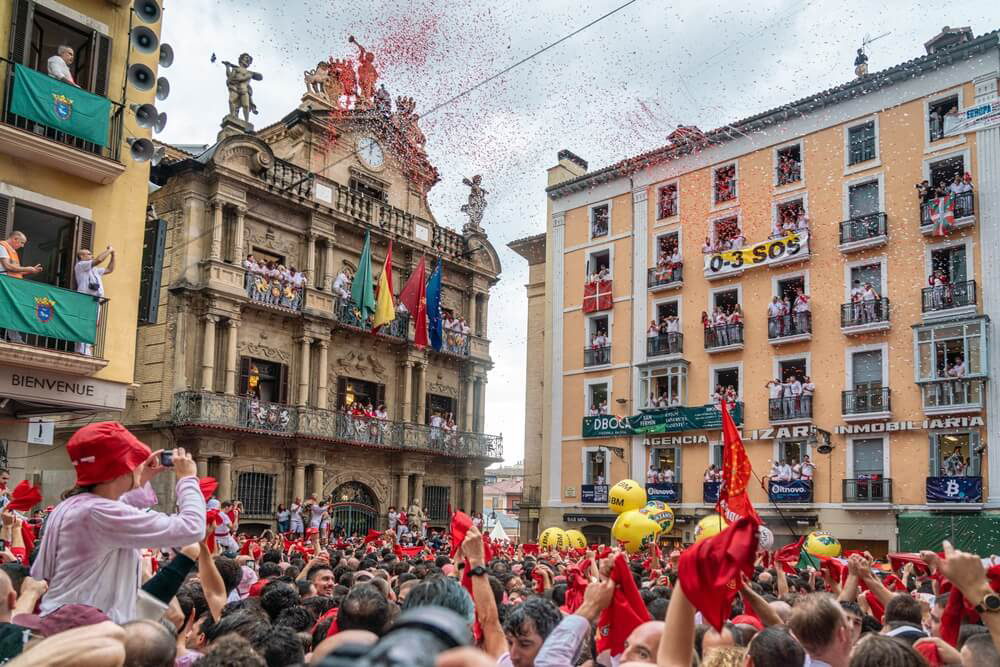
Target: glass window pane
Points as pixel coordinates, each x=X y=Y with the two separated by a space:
x=869 y=273
x=867 y=369
x=974 y=355
x=867 y=457
x=925 y=361
x=863 y=199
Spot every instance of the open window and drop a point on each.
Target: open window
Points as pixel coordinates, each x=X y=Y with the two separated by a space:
x=951 y=262
x=600 y=220
x=943 y=172
x=789 y=169
x=598 y=398
x=368 y=185
x=788 y=288
x=792 y=450
x=666 y=246
x=792 y=368
x=955 y=454
x=726 y=299
x=664 y=386
x=436 y=404
x=663 y=459
x=867 y=274
x=724 y=183
x=363 y=392
x=264 y=380
x=54 y=238
x=666 y=201
x=941 y=347
x=724 y=230
x=666 y=309
x=942 y=114
x=599 y=264
x=596 y=467
x=726 y=378
x=598 y=331
x=790 y=217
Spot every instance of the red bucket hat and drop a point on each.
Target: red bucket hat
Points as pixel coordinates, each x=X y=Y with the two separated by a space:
x=103 y=451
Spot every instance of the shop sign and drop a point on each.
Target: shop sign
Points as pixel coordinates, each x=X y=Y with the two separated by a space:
x=58 y=389
x=594 y=493
x=954 y=489
x=665 y=492
x=925 y=425
x=794 y=491
x=978 y=117
x=667 y=420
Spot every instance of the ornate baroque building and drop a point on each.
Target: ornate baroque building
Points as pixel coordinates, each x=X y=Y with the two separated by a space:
x=302 y=193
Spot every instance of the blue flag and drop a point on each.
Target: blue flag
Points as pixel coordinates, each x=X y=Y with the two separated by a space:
x=434 y=307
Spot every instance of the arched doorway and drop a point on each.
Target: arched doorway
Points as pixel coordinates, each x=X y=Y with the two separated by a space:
x=354 y=509
x=597 y=534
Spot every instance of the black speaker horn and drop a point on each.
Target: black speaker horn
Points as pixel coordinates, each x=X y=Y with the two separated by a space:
x=148 y=11
x=141 y=77
x=162 y=88
x=161 y=122
x=166 y=55
x=145 y=114
x=824 y=449
x=144 y=40
x=141 y=150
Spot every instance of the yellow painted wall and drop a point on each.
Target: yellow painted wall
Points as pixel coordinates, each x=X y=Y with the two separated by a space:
x=119 y=208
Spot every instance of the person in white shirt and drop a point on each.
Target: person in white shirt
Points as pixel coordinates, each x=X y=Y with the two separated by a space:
x=793 y=397
x=599 y=480
x=957 y=186
x=958 y=371
x=393 y=519
x=90 y=280
x=673 y=324
x=653 y=331
x=58 y=65
x=807 y=469
x=675 y=265
x=869 y=297
x=341 y=284
x=775 y=392
x=774 y=313
x=784 y=472
x=801 y=309
x=668 y=476
x=593 y=412
x=295 y=513
x=808 y=389
x=711 y=473
x=464 y=327
x=651 y=475
x=719 y=320
x=857 y=293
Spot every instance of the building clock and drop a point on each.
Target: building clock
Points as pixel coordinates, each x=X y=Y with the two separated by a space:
x=371 y=153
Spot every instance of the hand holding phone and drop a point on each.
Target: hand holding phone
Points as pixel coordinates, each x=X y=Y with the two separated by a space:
x=167 y=458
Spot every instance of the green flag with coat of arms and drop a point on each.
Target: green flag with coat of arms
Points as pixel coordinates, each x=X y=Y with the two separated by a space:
x=58 y=105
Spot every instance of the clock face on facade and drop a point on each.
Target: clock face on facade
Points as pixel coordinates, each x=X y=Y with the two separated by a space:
x=370 y=153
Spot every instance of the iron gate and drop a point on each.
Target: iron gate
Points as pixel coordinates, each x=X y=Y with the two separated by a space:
x=354 y=509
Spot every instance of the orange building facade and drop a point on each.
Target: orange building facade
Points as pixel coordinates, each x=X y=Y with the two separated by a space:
x=884 y=360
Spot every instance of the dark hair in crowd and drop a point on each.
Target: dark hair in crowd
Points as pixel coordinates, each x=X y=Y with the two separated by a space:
x=967 y=631
x=364 y=608
x=297 y=618
x=904 y=608
x=774 y=646
x=240 y=623
x=230 y=651
x=230 y=571
x=319 y=604
x=442 y=592
x=276 y=597
x=268 y=570
x=882 y=651
x=544 y=615
x=279 y=645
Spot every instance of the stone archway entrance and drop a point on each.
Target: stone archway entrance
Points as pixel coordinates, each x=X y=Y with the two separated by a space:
x=355 y=509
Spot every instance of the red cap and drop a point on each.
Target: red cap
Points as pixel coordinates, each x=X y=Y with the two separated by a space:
x=747 y=619
x=103 y=451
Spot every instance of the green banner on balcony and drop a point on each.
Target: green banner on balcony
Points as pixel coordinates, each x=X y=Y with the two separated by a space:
x=666 y=420
x=36 y=308
x=58 y=105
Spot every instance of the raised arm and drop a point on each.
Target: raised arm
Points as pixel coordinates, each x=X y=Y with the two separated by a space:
x=677 y=643
x=494 y=640
x=211 y=581
x=764 y=612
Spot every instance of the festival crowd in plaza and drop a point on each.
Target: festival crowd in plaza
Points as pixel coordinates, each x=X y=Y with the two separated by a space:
x=102 y=579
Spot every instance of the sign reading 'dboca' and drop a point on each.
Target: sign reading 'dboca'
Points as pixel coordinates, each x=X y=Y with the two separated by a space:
x=667 y=420
x=760 y=254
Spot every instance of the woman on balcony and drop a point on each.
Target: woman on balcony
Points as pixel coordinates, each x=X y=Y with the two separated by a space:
x=733 y=322
x=719 y=321
x=282 y=517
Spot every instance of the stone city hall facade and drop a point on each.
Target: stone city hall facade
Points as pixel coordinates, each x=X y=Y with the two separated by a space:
x=254 y=378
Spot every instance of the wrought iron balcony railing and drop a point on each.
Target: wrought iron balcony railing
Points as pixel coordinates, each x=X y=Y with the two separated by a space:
x=863 y=313
x=965 y=207
x=723 y=335
x=946 y=297
x=787 y=326
x=790 y=407
x=596 y=356
x=665 y=343
x=865 y=401
x=863 y=228
x=868 y=489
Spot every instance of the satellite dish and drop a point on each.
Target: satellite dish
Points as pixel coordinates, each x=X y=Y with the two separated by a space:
x=162 y=88
x=161 y=122
x=141 y=150
x=141 y=76
x=145 y=114
x=144 y=40
x=148 y=10
x=166 y=55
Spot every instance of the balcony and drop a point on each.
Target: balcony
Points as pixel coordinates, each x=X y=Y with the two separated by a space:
x=867 y=489
x=710 y=492
x=864 y=404
x=596 y=356
x=658 y=279
x=347 y=315
x=30 y=342
x=223 y=411
x=452 y=342
x=667 y=343
x=724 y=338
x=948 y=300
x=863 y=231
x=790 y=410
x=861 y=317
x=273 y=292
x=33 y=142
x=955 y=490
x=796 y=491
x=790 y=328
x=594 y=494
x=667 y=492
x=965 y=213
x=944 y=397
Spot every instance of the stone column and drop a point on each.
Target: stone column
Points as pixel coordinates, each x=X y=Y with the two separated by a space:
x=202 y=463
x=299 y=482
x=402 y=491
x=215 y=251
x=318 y=480
x=418 y=489
x=421 y=392
x=480 y=419
x=311 y=259
x=322 y=372
x=466 y=502
x=470 y=316
x=486 y=317
x=208 y=353
x=470 y=403
x=303 y=396
x=328 y=266
x=477 y=494
x=406 y=403
x=241 y=212
x=231 y=356
x=225 y=491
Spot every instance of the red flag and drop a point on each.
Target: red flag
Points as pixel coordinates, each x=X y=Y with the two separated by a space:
x=709 y=571
x=24 y=497
x=250 y=548
x=898 y=560
x=208 y=485
x=626 y=612
x=460 y=524
x=576 y=585
x=790 y=553
x=733 y=501
x=414 y=297
x=372 y=536
x=837 y=567
x=530 y=548
x=211 y=519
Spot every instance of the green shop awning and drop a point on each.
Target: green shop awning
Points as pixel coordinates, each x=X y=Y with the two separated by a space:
x=977 y=533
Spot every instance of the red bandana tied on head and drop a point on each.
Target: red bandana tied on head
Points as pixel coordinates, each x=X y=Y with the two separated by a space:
x=709 y=571
x=24 y=497
x=626 y=612
x=208 y=485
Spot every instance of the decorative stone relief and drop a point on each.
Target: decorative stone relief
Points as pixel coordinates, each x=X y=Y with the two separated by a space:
x=271 y=241
x=263 y=351
x=442 y=389
x=360 y=362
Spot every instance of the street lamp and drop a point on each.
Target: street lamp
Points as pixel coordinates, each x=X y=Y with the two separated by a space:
x=824 y=447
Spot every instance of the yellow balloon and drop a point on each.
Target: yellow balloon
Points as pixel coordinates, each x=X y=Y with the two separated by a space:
x=626 y=495
x=660 y=512
x=576 y=539
x=553 y=538
x=634 y=530
x=822 y=543
x=710 y=526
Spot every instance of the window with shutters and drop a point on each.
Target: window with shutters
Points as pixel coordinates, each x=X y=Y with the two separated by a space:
x=351 y=391
x=264 y=380
x=54 y=238
x=153 y=242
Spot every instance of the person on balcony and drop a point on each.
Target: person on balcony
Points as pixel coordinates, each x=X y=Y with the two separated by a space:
x=807 y=470
x=808 y=389
x=295 y=517
x=58 y=65
x=667 y=476
x=709 y=248
x=711 y=474
x=651 y=474
x=793 y=397
x=733 y=322
x=775 y=310
x=719 y=322
x=90 y=280
x=654 y=330
x=342 y=285
x=673 y=325
x=959 y=185
x=938 y=280
x=857 y=294
x=801 y=309
x=869 y=299
x=776 y=391
x=784 y=471
x=600 y=340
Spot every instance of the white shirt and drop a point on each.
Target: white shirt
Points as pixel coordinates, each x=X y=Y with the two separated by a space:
x=651 y=475
x=673 y=326
x=436 y=421
x=808 y=389
x=774 y=309
x=869 y=295
x=341 y=281
x=87 y=273
x=857 y=293
x=795 y=388
x=58 y=69
x=776 y=390
x=668 y=476
x=784 y=473
x=802 y=304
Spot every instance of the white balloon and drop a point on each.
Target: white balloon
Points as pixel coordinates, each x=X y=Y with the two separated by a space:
x=765 y=538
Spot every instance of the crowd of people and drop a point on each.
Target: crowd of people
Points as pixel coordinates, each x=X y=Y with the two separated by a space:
x=789 y=169
x=274 y=283
x=955 y=464
x=790 y=399
x=664 y=475
x=959 y=184
x=790 y=470
x=724 y=326
x=107 y=581
x=865 y=303
x=791 y=219
x=789 y=316
x=669 y=264
x=668 y=324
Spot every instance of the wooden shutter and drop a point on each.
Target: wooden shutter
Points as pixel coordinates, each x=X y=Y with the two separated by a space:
x=283 y=384
x=153 y=243
x=244 y=375
x=6 y=216
x=341 y=393
x=84 y=235
x=101 y=63
x=20 y=38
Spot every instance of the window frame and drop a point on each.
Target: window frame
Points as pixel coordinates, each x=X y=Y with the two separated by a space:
x=849 y=454
x=787 y=198
x=733 y=201
x=586 y=478
x=677 y=200
x=777 y=447
x=722 y=217
x=878 y=178
x=647 y=374
x=876 y=159
x=738 y=287
x=849 y=353
x=881 y=260
x=984 y=356
x=944 y=142
x=590 y=219
x=967 y=243
x=802 y=273
x=608 y=381
x=776 y=364
x=934 y=449
x=738 y=365
x=929 y=161
x=656 y=244
x=776 y=162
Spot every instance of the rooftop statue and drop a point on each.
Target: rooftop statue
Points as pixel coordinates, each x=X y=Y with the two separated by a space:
x=238 y=78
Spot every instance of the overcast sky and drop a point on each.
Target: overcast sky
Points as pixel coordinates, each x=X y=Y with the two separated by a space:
x=614 y=90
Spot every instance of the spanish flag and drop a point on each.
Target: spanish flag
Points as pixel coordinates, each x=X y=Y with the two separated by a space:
x=385 y=309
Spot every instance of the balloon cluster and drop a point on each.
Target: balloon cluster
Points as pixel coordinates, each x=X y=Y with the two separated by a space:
x=559 y=539
x=639 y=522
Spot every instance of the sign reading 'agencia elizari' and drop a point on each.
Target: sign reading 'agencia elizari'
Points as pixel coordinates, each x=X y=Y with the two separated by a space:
x=805 y=431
